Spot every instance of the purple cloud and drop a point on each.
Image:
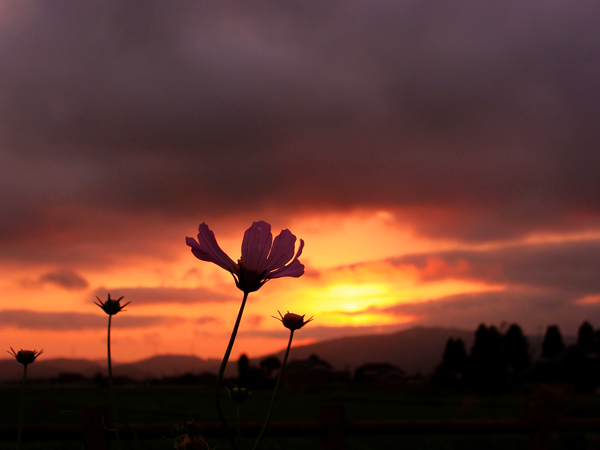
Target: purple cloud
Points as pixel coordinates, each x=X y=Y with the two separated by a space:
x=570 y=267
x=470 y=121
x=67 y=279
x=161 y=295
x=34 y=320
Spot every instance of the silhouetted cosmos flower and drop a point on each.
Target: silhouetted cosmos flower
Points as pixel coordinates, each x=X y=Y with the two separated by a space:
x=262 y=257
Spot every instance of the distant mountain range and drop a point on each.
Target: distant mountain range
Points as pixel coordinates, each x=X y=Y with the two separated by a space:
x=414 y=350
x=155 y=367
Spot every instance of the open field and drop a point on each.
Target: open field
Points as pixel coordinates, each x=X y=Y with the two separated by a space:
x=143 y=405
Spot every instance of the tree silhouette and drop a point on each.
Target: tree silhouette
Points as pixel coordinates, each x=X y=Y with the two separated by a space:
x=450 y=373
x=516 y=349
x=487 y=366
x=243 y=369
x=553 y=344
x=269 y=364
x=455 y=355
x=314 y=359
x=585 y=337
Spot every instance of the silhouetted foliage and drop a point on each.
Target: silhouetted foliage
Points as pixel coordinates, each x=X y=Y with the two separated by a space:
x=516 y=349
x=269 y=365
x=581 y=365
x=318 y=361
x=381 y=373
x=501 y=362
x=450 y=373
x=596 y=342
x=243 y=365
x=585 y=337
x=100 y=380
x=487 y=366
x=455 y=355
x=190 y=379
x=553 y=344
x=248 y=376
x=70 y=378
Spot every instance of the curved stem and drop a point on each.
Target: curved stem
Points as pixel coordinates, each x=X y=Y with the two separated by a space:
x=21 y=407
x=111 y=387
x=222 y=372
x=268 y=419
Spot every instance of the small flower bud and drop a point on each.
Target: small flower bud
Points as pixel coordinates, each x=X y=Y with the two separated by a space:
x=292 y=321
x=238 y=394
x=25 y=356
x=111 y=306
x=193 y=440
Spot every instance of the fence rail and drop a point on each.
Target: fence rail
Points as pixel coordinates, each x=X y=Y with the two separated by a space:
x=331 y=429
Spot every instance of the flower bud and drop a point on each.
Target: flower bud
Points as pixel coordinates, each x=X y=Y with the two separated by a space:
x=292 y=321
x=238 y=394
x=25 y=356
x=193 y=440
x=111 y=306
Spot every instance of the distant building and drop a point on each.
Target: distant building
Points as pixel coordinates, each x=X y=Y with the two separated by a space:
x=380 y=374
x=312 y=372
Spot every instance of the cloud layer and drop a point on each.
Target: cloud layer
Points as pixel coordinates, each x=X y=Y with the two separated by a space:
x=162 y=295
x=124 y=125
x=472 y=121
x=68 y=321
x=532 y=284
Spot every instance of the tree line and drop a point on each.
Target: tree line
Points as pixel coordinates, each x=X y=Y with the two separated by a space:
x=503 y=361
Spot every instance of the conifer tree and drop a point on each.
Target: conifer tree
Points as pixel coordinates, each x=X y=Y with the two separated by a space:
x=516 y=349
x=585 y=337
x=553 y=344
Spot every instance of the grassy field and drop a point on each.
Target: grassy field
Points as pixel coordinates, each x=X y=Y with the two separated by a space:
x=172 y=405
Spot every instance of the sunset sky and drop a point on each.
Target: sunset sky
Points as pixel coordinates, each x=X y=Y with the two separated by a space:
x=441 y=161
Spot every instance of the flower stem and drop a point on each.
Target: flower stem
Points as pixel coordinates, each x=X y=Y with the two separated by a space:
x=268 y=419
x=21 y=407
x=111 y=387
x=222 y=372
x=237 y=422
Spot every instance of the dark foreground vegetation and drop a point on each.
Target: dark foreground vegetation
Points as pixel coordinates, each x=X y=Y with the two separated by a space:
x=503 y=362
x=178 y=404
x=498 y=379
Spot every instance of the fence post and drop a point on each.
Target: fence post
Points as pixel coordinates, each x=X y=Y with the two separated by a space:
x=332 y=418
x=94 y=432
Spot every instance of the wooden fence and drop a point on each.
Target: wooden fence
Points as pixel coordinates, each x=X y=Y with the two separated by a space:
x=332 y=428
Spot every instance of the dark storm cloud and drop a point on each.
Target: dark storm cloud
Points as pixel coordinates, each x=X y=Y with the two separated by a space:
x=67 y=279
x=534 y=311
x=64 y=278
x=33 y=320
x=142 y=296
x=473 y=120
x=570 y=267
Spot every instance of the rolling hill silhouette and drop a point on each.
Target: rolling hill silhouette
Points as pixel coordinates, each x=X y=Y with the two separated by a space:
x=414 y=350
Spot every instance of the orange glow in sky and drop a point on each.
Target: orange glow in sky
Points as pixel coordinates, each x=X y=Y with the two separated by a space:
x=347 y=283
x=441 y=172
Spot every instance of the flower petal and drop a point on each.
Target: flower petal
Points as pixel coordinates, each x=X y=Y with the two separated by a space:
x=207 y=249
x=256 y=246
x=294 y=269
x=282 y=251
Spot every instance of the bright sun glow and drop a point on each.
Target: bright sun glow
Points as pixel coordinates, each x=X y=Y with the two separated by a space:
x=354 y=296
